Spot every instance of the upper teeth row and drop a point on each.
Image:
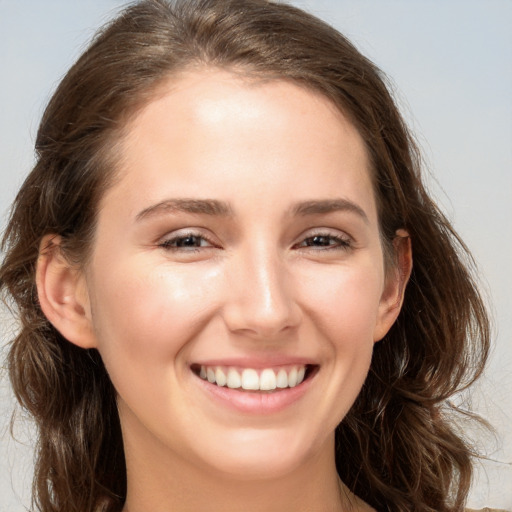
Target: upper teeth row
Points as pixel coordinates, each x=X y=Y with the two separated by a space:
x=250 y=379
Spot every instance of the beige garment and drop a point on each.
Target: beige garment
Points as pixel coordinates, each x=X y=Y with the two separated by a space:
x=486 y=510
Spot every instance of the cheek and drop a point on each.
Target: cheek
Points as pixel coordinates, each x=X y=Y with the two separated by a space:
x=143 y=312
x=344 y=301
x=343 y=304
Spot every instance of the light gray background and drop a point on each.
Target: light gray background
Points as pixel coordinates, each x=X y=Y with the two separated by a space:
x=451 y=61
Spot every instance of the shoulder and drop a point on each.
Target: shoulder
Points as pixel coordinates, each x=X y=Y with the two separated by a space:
x=486 y=510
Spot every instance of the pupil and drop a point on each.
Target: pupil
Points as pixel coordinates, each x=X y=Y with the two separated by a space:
x=189 y=241
x=321 y=240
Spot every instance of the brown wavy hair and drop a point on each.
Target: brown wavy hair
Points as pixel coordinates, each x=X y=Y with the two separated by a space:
x=397 y=448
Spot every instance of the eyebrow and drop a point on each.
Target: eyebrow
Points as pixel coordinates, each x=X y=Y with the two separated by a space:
x=198 y=206
x=323 y=207
x=221 y=208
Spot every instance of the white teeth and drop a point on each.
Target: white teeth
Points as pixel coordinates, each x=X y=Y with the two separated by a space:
x=300 y=374
x=220 y=377
x=234 y=381
x=249 y=379
x=268 y=380
x=282 y=379
x=292 y=377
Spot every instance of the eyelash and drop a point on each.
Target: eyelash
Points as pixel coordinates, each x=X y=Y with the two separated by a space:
x=340 y=242
x=336 y=242
x=171 y=243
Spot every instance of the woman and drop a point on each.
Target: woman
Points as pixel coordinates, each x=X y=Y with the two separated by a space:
x=213 y=264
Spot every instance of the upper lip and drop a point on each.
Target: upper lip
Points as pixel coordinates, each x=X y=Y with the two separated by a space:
x=257 y=362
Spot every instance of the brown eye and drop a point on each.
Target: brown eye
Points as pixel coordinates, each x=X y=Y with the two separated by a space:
x=187 y=241
x=325 y=241
x=319 y=241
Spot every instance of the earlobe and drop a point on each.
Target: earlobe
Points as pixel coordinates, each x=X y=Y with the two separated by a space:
x=62 y=294
x=393 y=294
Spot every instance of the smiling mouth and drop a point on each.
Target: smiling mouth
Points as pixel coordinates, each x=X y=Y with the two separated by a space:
x=250 y=379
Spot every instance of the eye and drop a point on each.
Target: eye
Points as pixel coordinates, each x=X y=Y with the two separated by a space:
x=186 y=242
x=325 y=241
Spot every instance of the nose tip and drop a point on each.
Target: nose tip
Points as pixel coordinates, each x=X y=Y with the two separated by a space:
x=262 y=302
x=266 y=315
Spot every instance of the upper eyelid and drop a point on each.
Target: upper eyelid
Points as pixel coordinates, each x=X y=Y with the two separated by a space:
x=341 y=240
x=184 y=233
x=325 y=231
x=328 y=235
x=206 y=234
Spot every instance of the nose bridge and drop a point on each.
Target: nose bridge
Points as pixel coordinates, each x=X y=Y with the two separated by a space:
x=261 y=299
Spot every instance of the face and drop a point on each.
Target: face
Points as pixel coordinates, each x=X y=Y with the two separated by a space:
x=237 y=286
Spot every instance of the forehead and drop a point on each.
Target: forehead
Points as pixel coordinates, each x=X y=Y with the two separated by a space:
x=213 y=125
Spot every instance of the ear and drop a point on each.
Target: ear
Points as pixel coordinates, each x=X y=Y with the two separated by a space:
x=62 y=292
x=396 y=281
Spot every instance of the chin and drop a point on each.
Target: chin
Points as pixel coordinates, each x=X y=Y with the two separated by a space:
x=262 y=455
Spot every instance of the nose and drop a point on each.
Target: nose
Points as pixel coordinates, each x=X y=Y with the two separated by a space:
x=261 y=299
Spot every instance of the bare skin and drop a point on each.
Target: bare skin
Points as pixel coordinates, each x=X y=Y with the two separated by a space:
x=241 y=236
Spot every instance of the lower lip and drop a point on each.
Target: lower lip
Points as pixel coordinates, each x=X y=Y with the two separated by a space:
x=255 y=402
